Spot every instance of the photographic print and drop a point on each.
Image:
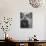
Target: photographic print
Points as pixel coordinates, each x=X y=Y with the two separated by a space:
x=26 y=20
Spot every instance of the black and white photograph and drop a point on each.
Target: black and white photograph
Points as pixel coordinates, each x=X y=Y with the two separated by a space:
x=26 y=20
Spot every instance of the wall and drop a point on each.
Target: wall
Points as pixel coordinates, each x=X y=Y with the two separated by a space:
x=12 y=8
